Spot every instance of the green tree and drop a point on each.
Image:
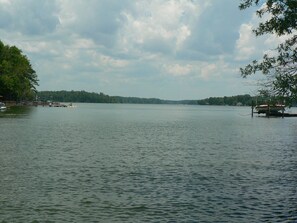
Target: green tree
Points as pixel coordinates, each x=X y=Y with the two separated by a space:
x=280 y=69
x=17 y=78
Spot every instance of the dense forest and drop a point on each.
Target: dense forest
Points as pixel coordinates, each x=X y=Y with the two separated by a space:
x=87 y=97
x=91 y=97
x=238 y=100
x=17 y=78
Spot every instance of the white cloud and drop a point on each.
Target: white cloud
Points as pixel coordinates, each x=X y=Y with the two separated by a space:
x=32 y=17
x=208 y=70
x=250 y=47
x=111 y=62
x=130 y=46
x=218 y=70
x=246 y=44
x=158 y=26
x=5 y=1
x=97 y=20
x=178 y=70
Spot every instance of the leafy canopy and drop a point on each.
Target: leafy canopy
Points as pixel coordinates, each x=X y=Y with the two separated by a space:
x=17 y=78
x=280 y=69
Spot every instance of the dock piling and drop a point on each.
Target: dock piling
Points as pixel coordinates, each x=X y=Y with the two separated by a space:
x=252 y=109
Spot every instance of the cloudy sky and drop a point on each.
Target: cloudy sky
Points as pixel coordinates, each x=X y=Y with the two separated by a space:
x=169 y=49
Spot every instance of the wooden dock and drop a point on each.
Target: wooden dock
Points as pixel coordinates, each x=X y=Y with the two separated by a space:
x=272 y=113
x=268 y=114
x=282 y=115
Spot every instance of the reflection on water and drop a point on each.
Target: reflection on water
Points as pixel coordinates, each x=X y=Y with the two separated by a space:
x=16 y=111
x=147 y=163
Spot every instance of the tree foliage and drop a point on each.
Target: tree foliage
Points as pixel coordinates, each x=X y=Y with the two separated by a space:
x=242 y=100
x=17 y=78
x=91 y=97
x=280 y=69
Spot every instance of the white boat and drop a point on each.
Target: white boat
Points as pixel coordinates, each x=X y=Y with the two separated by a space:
x=266 y=108
x=56 y=104
x=71 y=106
x=2 y=106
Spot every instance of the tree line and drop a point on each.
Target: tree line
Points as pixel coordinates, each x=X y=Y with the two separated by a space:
x=92 y=97
x=18 y=80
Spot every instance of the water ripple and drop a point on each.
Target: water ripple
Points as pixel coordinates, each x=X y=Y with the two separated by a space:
x=157 y=166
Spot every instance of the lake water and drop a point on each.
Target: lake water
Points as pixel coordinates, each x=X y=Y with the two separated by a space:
x=146 y=163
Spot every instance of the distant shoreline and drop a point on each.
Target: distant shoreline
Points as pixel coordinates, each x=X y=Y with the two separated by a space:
x=91 y=97
x=45 y=97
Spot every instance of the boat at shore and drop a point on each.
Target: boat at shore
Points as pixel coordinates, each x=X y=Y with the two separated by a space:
x=266 y=108
x=56 y=104
x=71 y=106
x=2 y=106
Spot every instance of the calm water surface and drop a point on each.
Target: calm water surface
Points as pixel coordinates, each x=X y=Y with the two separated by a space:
x=146 y=163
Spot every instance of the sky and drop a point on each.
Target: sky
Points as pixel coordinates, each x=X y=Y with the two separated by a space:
x=168 y=49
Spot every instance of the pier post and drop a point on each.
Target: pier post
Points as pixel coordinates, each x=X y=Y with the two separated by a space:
x=283 y=109
x=283 y=112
